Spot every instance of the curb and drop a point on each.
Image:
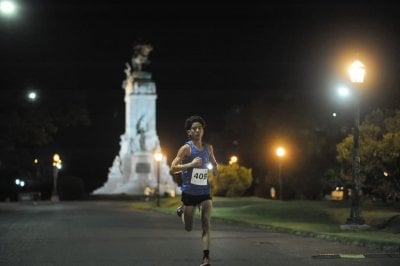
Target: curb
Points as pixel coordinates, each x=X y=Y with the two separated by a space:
x=356 y=256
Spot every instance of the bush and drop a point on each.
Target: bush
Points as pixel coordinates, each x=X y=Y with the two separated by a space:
x=233 y=180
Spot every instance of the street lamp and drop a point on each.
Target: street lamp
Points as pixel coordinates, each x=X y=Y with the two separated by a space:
x=37 y=166
x=344 y=91
x=56 y=167
x=233 y=159
x=32 y=96
x=357 y=74
x=158 y=157
x=280 y=152
x=8 y=8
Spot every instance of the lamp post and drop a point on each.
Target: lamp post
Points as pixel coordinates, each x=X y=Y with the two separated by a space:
x=357 y=74
x=37 y=166
x=280 y=152
x=56 y=167
x=158 y=157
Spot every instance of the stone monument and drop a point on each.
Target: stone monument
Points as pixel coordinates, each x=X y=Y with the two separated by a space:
x=134 y=169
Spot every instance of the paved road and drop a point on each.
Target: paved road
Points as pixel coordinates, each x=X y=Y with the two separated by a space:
x=112 y=233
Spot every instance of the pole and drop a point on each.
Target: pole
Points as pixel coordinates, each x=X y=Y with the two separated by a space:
x=355 y=217
x=158 y=183
x=54 y=196
x=280 y=181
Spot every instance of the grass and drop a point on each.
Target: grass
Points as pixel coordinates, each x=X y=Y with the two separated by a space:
x=310 y=218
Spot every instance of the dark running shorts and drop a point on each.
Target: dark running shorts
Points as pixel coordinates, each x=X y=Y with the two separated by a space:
x=193 y=200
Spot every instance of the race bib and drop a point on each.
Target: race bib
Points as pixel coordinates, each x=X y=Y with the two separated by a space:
x=199 y=177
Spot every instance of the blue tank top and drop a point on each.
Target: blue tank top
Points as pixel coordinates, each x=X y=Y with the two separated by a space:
x=195 y=180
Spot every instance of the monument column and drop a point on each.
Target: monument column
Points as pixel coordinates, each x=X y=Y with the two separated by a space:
x=133 y=170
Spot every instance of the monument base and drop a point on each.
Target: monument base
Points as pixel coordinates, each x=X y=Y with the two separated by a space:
x=143 y=178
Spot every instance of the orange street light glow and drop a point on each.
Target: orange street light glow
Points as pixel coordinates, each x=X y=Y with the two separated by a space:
x=357 y=72
x=280 y=152
x=234 y=159
x=158 y=156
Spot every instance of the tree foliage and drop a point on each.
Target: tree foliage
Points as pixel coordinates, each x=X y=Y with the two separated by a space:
x=379 y=154
x=253 y=131
x=233 y=180
x=27 y=126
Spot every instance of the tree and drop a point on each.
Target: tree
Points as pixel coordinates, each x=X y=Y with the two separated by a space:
x=379 y=152
x=273 y=118
x=233 y=180
x=28 y=127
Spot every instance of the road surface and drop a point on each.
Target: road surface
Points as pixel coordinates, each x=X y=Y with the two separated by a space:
x=113 y=233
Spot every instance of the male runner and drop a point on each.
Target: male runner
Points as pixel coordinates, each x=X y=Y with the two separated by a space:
x=194 y=159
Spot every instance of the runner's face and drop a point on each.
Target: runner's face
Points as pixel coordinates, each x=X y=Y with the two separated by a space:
x=196 y=131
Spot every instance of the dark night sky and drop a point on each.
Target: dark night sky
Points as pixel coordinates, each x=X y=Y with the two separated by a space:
x=203 y=55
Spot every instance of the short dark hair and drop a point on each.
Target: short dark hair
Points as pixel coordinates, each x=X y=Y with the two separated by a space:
x=192 y=119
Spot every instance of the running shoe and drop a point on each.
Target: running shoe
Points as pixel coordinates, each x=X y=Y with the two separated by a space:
x=206 y=262
x=179 y=211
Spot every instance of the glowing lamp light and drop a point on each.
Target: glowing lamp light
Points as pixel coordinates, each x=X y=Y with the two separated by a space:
x=158 y=156
x=8 y=7
x=32 y=96
x=209 y=166
x=280 y=152
x=57 y=161
x=19 y=182
x=56 y=157
x=234 y=159
x=344 y=92
x=357 y=72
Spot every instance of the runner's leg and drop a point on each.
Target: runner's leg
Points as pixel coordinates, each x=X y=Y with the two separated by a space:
x=188 y=217
x=206 y=207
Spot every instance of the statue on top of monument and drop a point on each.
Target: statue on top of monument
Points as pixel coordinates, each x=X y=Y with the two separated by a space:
x=140 y=56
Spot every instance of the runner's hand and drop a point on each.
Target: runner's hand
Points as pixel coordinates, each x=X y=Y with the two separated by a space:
x=197 y=162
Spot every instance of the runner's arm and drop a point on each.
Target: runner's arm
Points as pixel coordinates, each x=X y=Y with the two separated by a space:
x=177 y=166
x=213 y=160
